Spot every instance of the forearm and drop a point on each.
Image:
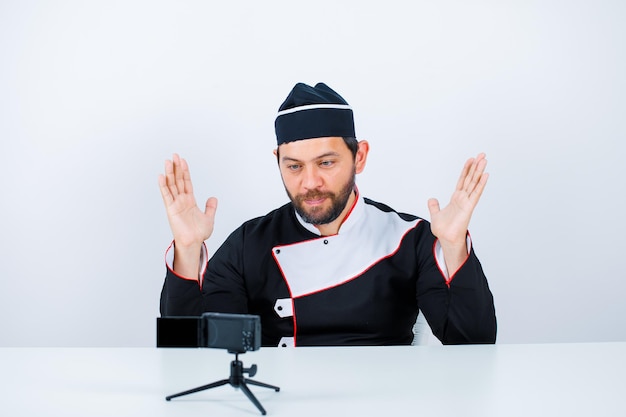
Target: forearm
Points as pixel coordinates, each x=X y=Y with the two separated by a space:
x=180 y=297
x=182 y=294
x=471 y=314
x=451 y=257
x=187 y=261
x=459 y=307
x=454 y=255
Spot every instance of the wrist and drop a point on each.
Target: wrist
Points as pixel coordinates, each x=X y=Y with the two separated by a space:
x=456 y=246
x=454 y=254
x=186 y=260
x=186 y=247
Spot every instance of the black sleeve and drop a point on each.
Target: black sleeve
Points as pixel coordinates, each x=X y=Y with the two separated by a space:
x=180 y=297
x=471 y=311
x=461 y=311
x=223 y=289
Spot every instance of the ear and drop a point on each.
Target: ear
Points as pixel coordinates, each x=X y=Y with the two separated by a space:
x=361 y=156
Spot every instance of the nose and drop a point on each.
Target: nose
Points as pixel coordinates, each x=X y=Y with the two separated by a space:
x=311 y=179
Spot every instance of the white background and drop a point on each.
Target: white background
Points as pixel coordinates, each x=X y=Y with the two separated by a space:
x=94 y=96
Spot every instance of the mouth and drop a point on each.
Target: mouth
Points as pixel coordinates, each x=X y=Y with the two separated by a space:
x=314 y=201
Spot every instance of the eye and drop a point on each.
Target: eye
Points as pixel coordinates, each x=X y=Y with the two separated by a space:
x=294 y=167
x=327 y=163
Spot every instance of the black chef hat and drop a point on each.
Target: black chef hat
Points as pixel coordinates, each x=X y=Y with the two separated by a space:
x=313 y=112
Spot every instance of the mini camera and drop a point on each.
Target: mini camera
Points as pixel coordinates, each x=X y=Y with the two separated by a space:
x=238 y=333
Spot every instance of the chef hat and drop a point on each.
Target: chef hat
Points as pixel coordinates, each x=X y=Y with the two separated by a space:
x=313 y=112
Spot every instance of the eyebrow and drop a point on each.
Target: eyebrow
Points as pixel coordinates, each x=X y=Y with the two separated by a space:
x=324 y=155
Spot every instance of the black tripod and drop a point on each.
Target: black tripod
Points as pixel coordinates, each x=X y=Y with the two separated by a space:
x=237 y=380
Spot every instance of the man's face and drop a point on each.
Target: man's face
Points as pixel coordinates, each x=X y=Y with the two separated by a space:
x=319 y=176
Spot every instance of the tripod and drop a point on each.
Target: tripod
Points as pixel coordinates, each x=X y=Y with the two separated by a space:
x=237 y=380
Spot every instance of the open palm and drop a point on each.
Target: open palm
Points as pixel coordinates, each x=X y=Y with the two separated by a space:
x=190 y=225
x=450 y=224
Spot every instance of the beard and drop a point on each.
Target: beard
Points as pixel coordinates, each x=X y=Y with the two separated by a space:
x=322 y=215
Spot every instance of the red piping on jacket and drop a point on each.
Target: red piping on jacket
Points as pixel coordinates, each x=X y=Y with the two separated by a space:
x=449 y=279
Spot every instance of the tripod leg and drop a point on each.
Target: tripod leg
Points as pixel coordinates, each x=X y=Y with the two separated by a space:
x=262 y=384
x=202 y=388
x=251 y=396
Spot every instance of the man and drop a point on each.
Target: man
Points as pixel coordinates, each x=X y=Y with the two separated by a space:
x=330 y=267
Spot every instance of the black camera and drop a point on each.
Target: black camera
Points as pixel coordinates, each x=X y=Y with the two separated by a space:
x=238 y=333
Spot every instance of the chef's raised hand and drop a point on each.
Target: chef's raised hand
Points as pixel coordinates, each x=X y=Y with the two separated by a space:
x=190 y=225
x=450 y=224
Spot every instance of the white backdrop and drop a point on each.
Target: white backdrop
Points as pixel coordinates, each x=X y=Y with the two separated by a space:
x=94 y=96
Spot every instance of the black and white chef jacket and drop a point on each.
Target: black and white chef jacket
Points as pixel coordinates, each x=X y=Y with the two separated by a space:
x=362 y=286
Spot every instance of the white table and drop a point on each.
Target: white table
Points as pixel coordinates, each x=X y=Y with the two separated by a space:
x=500 y=380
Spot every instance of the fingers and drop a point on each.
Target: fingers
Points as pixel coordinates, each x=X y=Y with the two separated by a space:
x=210 y=207
x=187 y=187
x=478 y=190
x=472 y=175
x=433 y=206
x=165 y=191
x=177 y=177
x=170 y=178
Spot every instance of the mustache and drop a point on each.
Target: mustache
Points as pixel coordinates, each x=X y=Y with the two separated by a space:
x=312 y=195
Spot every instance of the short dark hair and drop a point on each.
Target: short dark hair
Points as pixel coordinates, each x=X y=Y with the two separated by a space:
x=352 y=144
